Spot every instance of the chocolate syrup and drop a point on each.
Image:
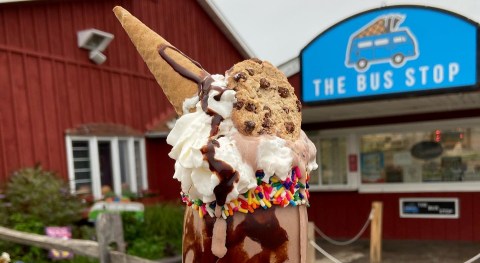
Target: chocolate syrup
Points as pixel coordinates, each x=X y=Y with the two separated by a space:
x=262 y=227
x=194 y=242
x=179 y=68
x=226 y=174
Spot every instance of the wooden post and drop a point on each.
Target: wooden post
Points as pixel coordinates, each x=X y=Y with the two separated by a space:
x=109 y=230
x=310 y=248
x=376 y=233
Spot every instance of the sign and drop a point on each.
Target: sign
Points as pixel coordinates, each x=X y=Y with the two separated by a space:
x=393 y=51
x=429 y=208
x=352 y=163
x=115 y=207
x=59 y=232
x=371 y=166
x=426 y=150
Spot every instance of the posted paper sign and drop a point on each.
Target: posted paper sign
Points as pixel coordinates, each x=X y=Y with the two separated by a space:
x=59 y=232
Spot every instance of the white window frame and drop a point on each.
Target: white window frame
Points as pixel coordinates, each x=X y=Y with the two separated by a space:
x=95 y=165
x=354 y=147
x=352 y=177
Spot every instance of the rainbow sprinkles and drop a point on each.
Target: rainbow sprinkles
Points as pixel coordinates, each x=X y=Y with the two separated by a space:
x=276 y=192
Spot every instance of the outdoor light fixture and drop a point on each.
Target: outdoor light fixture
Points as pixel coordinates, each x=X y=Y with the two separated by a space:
x=96 y=41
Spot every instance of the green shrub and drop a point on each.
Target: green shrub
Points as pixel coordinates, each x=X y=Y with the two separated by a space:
x=41 y=195
x=158 y=235
x=35 y=198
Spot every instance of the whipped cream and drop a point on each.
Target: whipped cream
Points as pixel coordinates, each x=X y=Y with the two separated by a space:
x=244 y=154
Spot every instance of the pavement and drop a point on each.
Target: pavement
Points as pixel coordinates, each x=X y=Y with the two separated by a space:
x=398 y=251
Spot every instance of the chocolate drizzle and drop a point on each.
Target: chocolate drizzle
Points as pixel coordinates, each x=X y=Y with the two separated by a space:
x=195 y=242
x=179 y=68
x=262 y=227
x=226 y=174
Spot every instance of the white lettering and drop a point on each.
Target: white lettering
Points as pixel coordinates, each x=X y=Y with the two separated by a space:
x=438 y=74
x=316 y=82
x=387 y=76
x=375 y=81
x=361 y=83
x=329 y=86
x=341 y=85
x=453 y=69
x=424 y=70
x=410 y=78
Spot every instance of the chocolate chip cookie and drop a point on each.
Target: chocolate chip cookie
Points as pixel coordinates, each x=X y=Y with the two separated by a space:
x=266 y=102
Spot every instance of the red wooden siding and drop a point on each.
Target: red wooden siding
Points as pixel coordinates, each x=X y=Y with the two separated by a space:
x=160 y=175
x=48 y=84
x=342 y=214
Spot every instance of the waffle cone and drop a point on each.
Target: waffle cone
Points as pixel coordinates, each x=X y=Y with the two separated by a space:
x=176 y=87
x=376 y=28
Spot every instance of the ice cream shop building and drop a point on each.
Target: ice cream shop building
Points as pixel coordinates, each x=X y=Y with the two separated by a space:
x=390 y=100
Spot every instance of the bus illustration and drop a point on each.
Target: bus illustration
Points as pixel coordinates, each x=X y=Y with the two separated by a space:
x=381 y=41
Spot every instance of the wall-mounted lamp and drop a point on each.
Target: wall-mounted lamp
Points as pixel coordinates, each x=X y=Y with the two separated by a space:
x=96 y=41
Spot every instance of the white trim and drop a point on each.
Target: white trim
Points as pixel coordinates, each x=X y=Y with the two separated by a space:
x=424 y=199
x=93 y=158
x=217 y=16
x=81 y=170
x=331 y=188
x=131 y=165
x=424 y=125
x=71 y=170
x=95 y=166
x=353 y=148
x=117 y=180
x=143 y=159
x=13 y=1
x=464 y=186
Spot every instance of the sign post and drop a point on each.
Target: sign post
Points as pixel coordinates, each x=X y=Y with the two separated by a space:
x=376 y=233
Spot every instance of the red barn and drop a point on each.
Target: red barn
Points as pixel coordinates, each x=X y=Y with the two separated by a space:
x=105 y=124
x=89 y=122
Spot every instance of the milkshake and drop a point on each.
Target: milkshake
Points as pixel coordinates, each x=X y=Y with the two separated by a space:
x=241 y=157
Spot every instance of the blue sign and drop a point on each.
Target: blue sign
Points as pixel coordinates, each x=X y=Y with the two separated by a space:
x=390 y=52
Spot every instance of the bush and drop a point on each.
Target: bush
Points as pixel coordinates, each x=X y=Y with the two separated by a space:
x=33 y=199
x=158 y=235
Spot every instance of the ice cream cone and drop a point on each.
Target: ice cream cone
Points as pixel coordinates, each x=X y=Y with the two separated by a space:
x=176 y=87
x=376 y=28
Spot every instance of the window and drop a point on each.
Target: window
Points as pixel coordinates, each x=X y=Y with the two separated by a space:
x=416 y=157
x=81 y=166
x=365 y=44
x=334 y=171
x=423 y=156
x=98 y=164
x=381 y=42
x=399 y=39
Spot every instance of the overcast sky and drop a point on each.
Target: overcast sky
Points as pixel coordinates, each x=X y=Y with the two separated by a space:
x=277 y=30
